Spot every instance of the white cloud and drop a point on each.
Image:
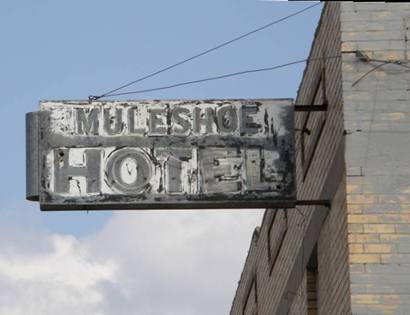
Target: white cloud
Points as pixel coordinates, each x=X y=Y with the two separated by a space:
x=140 y=263
x=177 y=262
x=64 y=279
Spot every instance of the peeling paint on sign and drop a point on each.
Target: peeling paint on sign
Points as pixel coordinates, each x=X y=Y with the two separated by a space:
x=163 y=154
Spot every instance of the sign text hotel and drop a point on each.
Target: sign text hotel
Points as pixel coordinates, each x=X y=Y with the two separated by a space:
x=161 y=154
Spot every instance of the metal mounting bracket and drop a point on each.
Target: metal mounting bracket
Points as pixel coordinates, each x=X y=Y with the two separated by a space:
x=324 y=203
x=311 y=108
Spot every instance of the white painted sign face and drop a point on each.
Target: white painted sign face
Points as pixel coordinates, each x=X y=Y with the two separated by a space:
x=163 y=154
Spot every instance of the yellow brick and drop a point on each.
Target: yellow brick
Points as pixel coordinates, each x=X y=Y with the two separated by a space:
x=404 y=218
x=355 y=209
x=382 y=14
x=407 y=190
x=404 y=208
x=351 y=34
x=363 y=238
x=396 y=218
x=355 y=180
x=355 y=228
x=391 y=299
x=399 y=200
x=366 y=298
x=353 y=189
x=383 y=309
x=361 y=199
x=391 y=55
x=404 y=199
x=379 y=228
x=356 y=248
x=364 y=258
x=362 y=218
x=380 y=75
x=396 y=116
x=393 y=237
x=377 y=248
x=385 y=258
x=347 y=67
x=348 y=46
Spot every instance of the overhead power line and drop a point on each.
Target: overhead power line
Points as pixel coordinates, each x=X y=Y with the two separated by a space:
x=111 y=92
x=223 y=76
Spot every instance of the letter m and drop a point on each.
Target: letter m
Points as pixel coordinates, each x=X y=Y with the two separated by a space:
x=87 y=123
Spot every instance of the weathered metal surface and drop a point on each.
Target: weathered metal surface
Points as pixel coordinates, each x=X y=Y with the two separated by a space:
x=166 y=154
x=32 y=156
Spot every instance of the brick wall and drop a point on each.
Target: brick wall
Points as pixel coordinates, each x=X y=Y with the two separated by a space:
x=377 y=123
x=357 y=155
x=276 y=263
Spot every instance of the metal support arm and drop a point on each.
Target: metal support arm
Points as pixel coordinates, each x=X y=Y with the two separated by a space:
x=325 y=203
x=311 y=108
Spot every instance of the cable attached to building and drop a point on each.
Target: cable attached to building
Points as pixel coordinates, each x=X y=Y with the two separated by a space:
x=111 y=92
x=363 y=57
x=219 y=77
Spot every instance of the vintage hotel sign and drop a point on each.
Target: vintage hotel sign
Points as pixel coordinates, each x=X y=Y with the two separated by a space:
x=161 y=154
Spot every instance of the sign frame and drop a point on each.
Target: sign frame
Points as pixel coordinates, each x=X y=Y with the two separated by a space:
x=52 y=128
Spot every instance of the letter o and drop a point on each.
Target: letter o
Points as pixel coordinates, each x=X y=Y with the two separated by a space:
x=227 y=119
x=144 y=171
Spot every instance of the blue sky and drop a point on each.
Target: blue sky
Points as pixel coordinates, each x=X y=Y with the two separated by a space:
x=71 y=49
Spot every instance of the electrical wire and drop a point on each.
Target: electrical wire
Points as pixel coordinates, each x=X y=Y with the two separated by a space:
x=368 y=72
x=383 y=63
x=363 y=57
x=110 y=93
x=223 y=76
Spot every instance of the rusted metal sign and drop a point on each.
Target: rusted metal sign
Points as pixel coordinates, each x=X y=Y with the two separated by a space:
x=161 y=154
